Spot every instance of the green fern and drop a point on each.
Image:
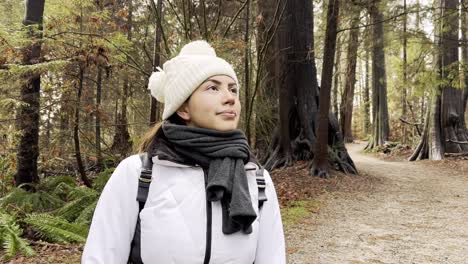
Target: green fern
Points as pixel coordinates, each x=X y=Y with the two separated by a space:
x=63 y=190
x=10 y=237
x=74 y=208
x=57 y=229
x=86 y=215
x=39 y=201
x=79 y=192
x=50 y=183
x=102 y=178
x=7 y=172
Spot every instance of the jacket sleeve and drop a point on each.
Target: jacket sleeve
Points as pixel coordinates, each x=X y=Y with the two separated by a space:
x=115 y=216
x=270 y=245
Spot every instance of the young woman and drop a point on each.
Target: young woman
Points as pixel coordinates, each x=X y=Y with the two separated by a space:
x=203 y=204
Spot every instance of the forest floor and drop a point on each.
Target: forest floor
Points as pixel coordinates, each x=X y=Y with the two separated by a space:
x=393 y=212
x=414 y=212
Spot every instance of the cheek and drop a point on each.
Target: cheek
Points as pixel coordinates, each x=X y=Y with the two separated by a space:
x=238 y=106
x=203 y=109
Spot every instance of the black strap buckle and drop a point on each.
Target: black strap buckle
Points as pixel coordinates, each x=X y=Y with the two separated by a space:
x=261 y=184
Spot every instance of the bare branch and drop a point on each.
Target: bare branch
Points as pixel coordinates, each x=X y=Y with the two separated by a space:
x=234 y=18
x=159 y=24
x=217 y=17
x=412 y=124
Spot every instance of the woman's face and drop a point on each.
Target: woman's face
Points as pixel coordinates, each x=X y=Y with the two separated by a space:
x=214 y=104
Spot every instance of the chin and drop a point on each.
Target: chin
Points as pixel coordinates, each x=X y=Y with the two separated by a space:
x=225 y=128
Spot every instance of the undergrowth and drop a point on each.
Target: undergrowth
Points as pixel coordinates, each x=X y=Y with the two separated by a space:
x=57 y=211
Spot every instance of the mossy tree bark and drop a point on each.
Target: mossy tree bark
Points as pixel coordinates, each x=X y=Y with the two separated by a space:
x=28 y=113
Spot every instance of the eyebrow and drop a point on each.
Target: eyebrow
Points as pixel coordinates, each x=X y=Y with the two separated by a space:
x=218 y=82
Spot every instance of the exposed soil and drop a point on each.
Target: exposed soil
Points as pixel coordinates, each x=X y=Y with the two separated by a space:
x=47 y=253
x=416 y=212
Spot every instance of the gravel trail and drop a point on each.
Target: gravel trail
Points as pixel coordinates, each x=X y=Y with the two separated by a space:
x=415 y=214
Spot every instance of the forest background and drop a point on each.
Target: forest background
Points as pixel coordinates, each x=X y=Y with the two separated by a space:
x=314 y=75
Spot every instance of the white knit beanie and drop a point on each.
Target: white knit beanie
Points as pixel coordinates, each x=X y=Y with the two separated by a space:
x=183 y=74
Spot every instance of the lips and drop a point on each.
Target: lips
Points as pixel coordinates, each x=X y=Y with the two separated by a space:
x=228 y=113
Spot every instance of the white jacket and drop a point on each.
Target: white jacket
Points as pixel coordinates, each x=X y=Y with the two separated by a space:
x=174 y=220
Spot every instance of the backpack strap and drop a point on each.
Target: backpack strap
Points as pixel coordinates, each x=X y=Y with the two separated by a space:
x=144 y=182
x=261 y=187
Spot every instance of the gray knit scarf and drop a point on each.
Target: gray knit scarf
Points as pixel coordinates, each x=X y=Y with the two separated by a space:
x=224 y=154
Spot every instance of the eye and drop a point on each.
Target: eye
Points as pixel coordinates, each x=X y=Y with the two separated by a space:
x=213 y=87
x=234 y=90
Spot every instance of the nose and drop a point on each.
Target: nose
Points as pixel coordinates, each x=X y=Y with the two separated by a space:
x=229 y=97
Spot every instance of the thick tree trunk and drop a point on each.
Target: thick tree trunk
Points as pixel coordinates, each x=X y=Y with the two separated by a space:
x=381 y=129
x=464 y=30
x=445 y=126
x=295 y=136
x=28 y=114
x=346 y=115
x=452 y=115
x=321 y=159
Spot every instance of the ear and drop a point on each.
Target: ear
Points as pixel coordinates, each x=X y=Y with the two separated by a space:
x=183 y=112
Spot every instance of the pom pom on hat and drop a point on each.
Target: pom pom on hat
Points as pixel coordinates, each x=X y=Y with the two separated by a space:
x=199 y=47
x=157 y=83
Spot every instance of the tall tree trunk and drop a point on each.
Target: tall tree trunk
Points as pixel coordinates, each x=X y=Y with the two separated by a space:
x=405 y=82
x=445 y=128
x=48 y=127
x=76 y=131
x=348 y=95
x=98 y=119
x=270 y=13
x=320 y=162
x=28 y=114
x=381 y=129
x=66 y=111
x=247 y=71
x=366 y=100
x=156 y=60
x=464 y=30
x=336 y=80
x=452 y=115
x=121 y=143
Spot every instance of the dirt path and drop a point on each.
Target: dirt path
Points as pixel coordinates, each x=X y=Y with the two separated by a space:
x=416 y=214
